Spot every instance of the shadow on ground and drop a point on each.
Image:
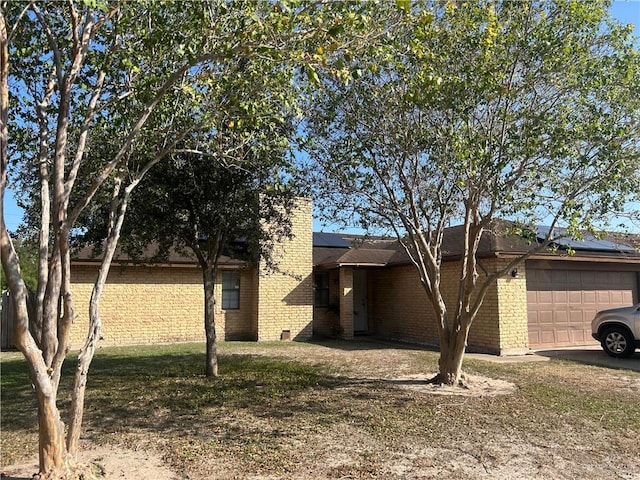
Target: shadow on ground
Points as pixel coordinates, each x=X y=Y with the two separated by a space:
x=594 y=355
x=368 y=342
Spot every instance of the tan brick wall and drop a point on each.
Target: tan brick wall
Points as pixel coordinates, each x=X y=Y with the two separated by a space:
x=285 y=298
x=484 y=334
x=238 y=324
x=512 y=304
x=161 y=304
x=157 y=304
x=399 y=308
x=501 y=324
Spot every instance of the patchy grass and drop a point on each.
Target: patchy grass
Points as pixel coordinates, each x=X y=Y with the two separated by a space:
x=324 y=410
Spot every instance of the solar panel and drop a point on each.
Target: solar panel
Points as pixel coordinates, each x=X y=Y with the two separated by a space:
x=588 y=243
x=332 y=240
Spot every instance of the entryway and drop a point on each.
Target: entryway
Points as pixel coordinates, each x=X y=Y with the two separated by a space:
x=360 y=312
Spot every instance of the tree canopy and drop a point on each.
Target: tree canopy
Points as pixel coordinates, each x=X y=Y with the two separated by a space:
x=130 y=82
x=475 y=111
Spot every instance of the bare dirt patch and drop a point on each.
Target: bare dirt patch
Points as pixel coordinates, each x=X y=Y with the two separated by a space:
x=107 y=462
x=474 y=386
x=340 y=410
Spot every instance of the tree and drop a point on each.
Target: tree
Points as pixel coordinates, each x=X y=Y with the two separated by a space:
x=140 y=76
x=476 y=112
x=202 y=207
x=213 y=189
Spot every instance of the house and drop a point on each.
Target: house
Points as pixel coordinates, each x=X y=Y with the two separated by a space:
x=340 y=285
x=164 y=303
x=369 y=286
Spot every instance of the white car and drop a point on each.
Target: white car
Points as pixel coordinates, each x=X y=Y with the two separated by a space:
x=618 y=330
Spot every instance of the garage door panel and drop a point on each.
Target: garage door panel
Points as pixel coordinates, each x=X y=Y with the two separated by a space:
x=559 y=317
x=545 y=317
x=617 y=278
x=545 y=298
x=615 y=296
x=589 y=278
x=560 y=297
x=558 y=277
x=578 y=337
x=589 y=297
x=543 y=276
x=561 y=336
x=576 y=317
x=575 y=297
x=588 y=314
x=562 y=303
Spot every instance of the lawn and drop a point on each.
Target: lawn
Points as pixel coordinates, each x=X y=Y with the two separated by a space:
x=332 y=410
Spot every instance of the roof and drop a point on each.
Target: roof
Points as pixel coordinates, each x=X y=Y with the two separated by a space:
x=90 y=255
x=618 y=243
x=381 y=251
x=354 y=250
x=329 y=240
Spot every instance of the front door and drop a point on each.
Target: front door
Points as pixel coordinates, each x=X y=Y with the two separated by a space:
x=360 y=321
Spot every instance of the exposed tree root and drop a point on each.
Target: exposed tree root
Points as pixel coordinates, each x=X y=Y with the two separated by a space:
x=73 y=472
x=442 y=380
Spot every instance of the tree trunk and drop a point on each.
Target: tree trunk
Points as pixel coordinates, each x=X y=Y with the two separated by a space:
x=209 y=280
x=453 y=342
x=85 y=357
x=54 y=462
x=450 y=361
x=53 y=458
x=80 y=380
x=52 y=451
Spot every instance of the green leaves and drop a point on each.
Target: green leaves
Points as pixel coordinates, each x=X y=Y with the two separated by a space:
x=101 y=5
x=503 y=102
x=403 y=5
x=312 y=75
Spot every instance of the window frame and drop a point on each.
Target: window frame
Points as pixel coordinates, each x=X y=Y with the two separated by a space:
x=321 y=289
x=230 y=290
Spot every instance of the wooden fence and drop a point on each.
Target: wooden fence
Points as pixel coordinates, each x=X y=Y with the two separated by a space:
x=6 y=321
x=6 y=318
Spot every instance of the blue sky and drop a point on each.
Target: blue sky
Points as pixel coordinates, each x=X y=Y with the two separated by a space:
x=627 y=11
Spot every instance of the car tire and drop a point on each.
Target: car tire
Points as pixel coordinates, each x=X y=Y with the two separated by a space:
x=617 y=342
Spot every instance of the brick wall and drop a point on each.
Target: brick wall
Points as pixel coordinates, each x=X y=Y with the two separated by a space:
x=162 y=304
x=284 y=299
x=484 y=334
x=512 y=304
x=141 y=304
x=238 y=324
x=501 y=324
x=158 y=304
x=399 y=308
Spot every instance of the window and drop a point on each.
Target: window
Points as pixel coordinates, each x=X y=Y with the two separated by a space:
x=321 y=284
x=230 y=290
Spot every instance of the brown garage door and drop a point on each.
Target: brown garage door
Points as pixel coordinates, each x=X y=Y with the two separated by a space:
x=562 y=303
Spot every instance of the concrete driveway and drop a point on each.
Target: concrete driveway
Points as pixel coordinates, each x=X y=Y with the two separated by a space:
x=593 y=355
x=590 y=355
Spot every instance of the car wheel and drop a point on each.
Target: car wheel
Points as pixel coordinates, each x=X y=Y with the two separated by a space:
x=617 y=342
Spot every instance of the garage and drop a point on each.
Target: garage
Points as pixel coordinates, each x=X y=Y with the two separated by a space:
x=561 y=301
